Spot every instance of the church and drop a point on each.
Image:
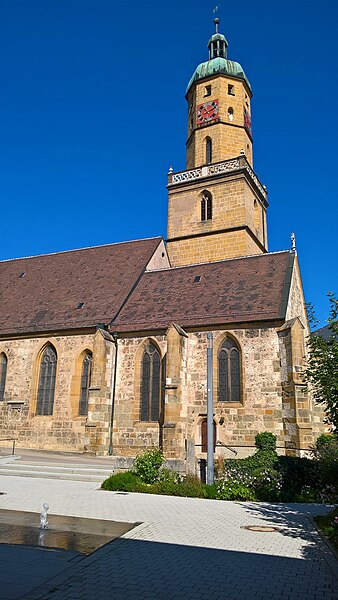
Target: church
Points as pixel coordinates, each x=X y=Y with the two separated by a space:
x=104 y=349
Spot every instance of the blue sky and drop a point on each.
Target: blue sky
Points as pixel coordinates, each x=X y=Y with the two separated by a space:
x=92 y=113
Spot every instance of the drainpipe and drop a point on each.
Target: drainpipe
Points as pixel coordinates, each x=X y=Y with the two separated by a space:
x=113 y=377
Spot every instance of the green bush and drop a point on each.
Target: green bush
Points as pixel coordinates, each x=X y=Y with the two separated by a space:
x=265 y=441
x=124 y=482
x=329 y=526
x=190 y=487
x=211 y=491
x=267 y=484
x=298 y=474
x=327 y=440
x=307 y=494
x=147 y=465
x=240 y=470
x=169 y=476
x=234 y=491
x=328 y=494
x=326 y=447
x=326 y=456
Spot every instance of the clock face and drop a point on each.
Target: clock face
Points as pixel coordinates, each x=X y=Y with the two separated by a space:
x=207 y=112
x=247 y=121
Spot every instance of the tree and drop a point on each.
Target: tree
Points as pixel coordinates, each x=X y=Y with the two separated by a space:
x=322 y=366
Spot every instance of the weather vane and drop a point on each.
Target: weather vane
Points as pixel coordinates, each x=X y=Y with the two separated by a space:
x=293 y=241
x=215 y=12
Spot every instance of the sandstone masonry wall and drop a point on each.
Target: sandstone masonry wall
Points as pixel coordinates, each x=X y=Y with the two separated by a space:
x=65 y=429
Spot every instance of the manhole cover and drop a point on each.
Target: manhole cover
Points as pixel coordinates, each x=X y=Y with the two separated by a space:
x=263 y=528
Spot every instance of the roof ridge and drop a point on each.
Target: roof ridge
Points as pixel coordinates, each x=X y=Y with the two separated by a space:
x=156 y=237
x=223 y=260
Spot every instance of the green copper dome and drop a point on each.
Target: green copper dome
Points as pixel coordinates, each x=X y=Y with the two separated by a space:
x=218 y=61
x=216 y=66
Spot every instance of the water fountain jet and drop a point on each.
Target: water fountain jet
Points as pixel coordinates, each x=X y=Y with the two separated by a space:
x=43 y=516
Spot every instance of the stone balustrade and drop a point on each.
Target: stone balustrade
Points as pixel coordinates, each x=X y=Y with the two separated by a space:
x=225 y=166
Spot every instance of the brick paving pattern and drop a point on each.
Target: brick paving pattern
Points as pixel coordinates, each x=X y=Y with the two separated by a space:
x=185 y=548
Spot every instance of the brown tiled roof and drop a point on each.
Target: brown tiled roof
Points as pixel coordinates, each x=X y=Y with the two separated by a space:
x=239 y=290
x=46 y=297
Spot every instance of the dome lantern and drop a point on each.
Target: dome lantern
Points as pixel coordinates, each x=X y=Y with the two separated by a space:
x=217 y=44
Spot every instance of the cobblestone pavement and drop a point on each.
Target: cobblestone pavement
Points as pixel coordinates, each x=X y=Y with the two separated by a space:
x=185 y=548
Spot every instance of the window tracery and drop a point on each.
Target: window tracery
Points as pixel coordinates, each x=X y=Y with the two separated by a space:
x=150 y=384
x=85 y=383
x=229 y=372
x=46 y=386
x=3 y=374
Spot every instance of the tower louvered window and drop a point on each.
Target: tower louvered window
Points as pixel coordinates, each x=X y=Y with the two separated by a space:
x=3 y=373
x=46 y=388
x=208 y=150
x=150 y=384
x=229 y=372
x=206 y=207
x=85 y=383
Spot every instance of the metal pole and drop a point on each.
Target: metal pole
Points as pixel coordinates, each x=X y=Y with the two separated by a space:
x=110 y=449
x=210 y=412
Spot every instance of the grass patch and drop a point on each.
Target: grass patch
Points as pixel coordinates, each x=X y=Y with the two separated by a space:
x=328 y=524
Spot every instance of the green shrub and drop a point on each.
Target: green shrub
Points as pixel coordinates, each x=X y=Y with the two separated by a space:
x=267 y=484
x=326 y=456
x=327 y=439
x=307 y=494
x=329 y=526
x=327 y=447
x=190 y=487
x=297 y=473
x=243 y=467
x=211 y=491
x=125 y=482
x=234 y=491
x=328 y=494
x=240 y=474
x=265 y=441
x=169 y=476
x=147 y=465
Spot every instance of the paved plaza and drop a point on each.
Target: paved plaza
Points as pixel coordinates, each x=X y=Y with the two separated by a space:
x=184 y=548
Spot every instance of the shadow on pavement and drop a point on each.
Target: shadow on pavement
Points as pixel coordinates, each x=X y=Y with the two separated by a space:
x=134 y=569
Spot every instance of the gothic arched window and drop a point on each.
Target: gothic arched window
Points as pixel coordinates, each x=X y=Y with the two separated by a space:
x=85 y=383
x=206 y=206
x=46 y=387
x=229 y=372
x=3 y=373
x=150 y=383
x=208 y=150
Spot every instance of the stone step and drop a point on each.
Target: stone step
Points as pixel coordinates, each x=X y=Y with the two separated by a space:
x=50 y=474
x=56 y=470
x=57 y=467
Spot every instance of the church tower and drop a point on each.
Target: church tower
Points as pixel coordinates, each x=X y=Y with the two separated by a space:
x=217 y=206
